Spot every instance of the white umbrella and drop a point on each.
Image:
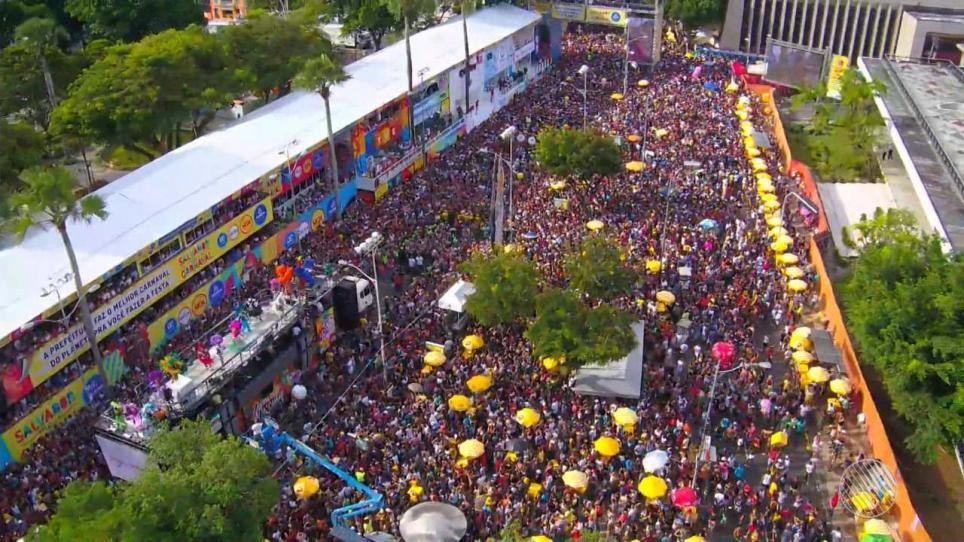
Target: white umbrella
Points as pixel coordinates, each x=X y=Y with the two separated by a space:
x=655 y=461
x=433 y=522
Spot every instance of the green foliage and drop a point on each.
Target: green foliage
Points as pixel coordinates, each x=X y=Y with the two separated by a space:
x=842 y=133
x=140 y=94
x=506 y=287
x=208 y=489
x=272 y=50
x=695 y=13
x=319 y=74
x=596 y=270
x=580 y=153
x=905 y=309
x=372 y=16
x=131 y=20
x=411 y=9
x=47 y=199
x=891 y=226
x=21 y=146
x=564 y=327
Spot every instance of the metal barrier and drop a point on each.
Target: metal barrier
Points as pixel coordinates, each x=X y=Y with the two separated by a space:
x=889 y=61
x=746 y=58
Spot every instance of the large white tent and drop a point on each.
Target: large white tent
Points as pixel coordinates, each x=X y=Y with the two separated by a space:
x=161 y=196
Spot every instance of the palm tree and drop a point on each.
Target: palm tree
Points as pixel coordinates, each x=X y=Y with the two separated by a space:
x=468 y=6
x=319 y=74
x=409 y=11
x=48 y=200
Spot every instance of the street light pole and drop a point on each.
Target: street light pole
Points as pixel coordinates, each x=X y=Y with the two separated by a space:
x=509 y=134
x=584 y=71
x=369 y=247
x=717 y=373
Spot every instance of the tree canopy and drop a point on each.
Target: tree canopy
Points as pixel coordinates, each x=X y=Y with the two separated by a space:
x=21 y=147
x=372 y=16
x=905 y=309
x=131 y=20
x=578 y=153
x=506 y=286
x=196 y=486
x=566 y=328
x=694 y=13
x=843 y=133
x=596 y=268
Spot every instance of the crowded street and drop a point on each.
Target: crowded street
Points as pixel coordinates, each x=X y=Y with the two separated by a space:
x=395 y=428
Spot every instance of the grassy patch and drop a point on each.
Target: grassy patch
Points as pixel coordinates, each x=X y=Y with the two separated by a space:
x=122 y=158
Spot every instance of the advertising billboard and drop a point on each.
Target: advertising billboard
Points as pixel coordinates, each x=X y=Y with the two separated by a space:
x=793 y=66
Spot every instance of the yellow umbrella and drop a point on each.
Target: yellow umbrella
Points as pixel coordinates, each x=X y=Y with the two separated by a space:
x=576 y=479
x=779 y=439
x=776 y=232
x=752 y=152
x=800 y=343
x=742 y=114
x=479 y=383
x=818 y=374
x=749 y=142
x=789 y=259
x=527 y=417
x=840 y=386
x=864 y=501
x=778 y=247
x=550 y=364
x=793 y=272
x=557 y=185
x=695 y=538
x=616 y=96
x=534 y=490
x=460 y=403
x=786 y=239
x=625 y=416
x=472 y=342
x=768 y=197
x=746 y=126
x=771 y=205
x=774 y=221
x=802 y=331
x=594 y=225
x=877 y=526
x=434 y=359
x=635 y=166
x=471 y=449
x=606 y=446
x=797 y=285
x=763 y=187
x=652 y=487
x=666 y=297
x=758 y=164
x=660 y=132
x=731 y=87
x=802 y=356
x=540 y=538
x=653 y=266
x=634 y=138
x=306 y=486
x=761 y=177
x=642 y=83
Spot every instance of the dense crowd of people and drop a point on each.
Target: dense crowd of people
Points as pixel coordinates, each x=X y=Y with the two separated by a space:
x=403 y=442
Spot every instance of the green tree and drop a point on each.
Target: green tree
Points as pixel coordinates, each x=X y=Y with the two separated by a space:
x=320 y=74
x=41 y=37
x=564 y=327
x=891 y=226
x=409 y=11
x=695 y=13
x=47 y=199
x=272 y=50
x=580 y=153
x=196 y=486
x=131 y=20
x=21 y=147
x=842 y=133
x=596 y=269
x=506 y=286
x=372 y=16
x=905 y=309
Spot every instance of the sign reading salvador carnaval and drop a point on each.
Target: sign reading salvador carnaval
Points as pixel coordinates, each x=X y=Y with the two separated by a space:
x=60 y=351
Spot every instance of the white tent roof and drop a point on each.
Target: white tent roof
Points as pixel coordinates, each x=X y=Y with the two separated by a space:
x=156 y=199
x=845 y=203
x=455 y=297
x=621 y=378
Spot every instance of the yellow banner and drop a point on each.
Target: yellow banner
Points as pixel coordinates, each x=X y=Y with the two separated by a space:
x=542 y=7
x=571 y=12
x=612 y=17
x=838 y=67
x=63 y=349
x=54 y=411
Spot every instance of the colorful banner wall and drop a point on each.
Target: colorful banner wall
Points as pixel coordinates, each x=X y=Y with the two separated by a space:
x=838 y=66
x=446 y=139
x=56 y=354
x=325 y=330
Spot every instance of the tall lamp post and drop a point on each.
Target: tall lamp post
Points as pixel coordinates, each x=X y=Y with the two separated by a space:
x=584 y=72
x=709 y=406
x=369 y=247
x=509 y=135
